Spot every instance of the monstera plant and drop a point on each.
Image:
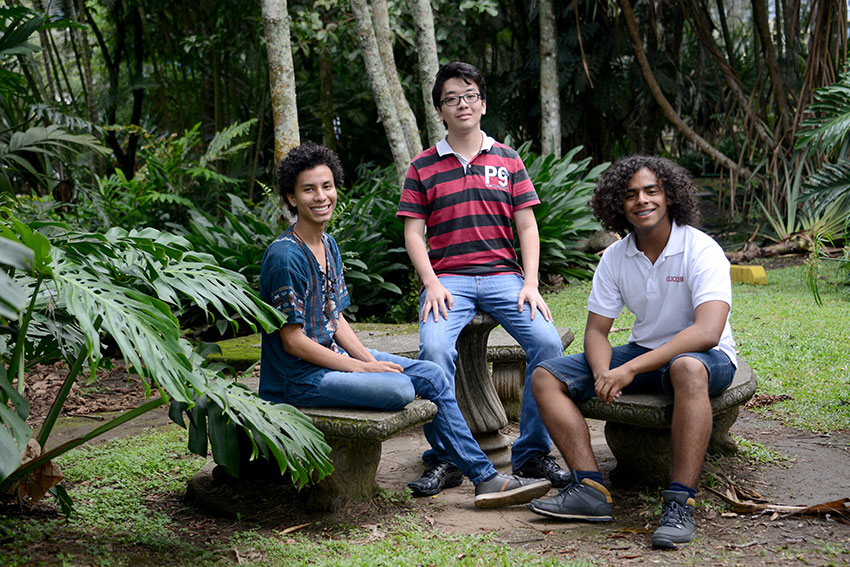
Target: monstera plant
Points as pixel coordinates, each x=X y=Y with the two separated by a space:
x=63 y=291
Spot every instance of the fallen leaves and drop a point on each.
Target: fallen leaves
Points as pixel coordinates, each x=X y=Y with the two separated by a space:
x=762 y=400
x=746 y=501
x=113 y=389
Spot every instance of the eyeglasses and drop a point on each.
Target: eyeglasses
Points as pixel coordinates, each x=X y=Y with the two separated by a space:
x=468 y=98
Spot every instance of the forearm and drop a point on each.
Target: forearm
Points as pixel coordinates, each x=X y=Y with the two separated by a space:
x=597 y=347
x=597 y=352
x=529 y=245
x=414 y=243
x=296 y=343
x=347 y=339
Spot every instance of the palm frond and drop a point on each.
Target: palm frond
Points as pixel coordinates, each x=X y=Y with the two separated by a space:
x=830 y=125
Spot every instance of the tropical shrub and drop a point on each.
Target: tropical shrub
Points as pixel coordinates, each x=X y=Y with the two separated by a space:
x=825 y=135
x=176 y=176
x=65 y=290
x=371 y=241
x=238 y=236
x=564 y=218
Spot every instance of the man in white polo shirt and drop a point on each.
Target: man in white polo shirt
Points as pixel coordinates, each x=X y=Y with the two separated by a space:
x=675 y=279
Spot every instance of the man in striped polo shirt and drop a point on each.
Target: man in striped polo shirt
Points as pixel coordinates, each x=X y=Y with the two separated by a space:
x=466 y=190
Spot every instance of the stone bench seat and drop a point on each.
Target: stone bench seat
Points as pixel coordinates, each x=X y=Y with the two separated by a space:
x=487 y=401
x=637 y=428
x=355 y=437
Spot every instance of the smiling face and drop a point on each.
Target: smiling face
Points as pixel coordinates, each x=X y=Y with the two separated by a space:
x=315 y=196
x=463 y=117
x=645 y=203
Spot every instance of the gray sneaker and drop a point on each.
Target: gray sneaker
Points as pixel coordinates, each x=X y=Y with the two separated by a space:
x=586 y=500
x=677 y=524
x=504 y=490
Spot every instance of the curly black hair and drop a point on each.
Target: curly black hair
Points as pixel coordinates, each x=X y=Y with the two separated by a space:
x=607 y=201
x=306 y=156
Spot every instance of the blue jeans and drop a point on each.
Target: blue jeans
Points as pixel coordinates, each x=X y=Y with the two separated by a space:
x=392 y=391
x=496 y=296
x=574 y=371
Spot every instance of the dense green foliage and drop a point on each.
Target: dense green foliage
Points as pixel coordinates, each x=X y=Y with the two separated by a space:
x=78 y=290
x=564 y=218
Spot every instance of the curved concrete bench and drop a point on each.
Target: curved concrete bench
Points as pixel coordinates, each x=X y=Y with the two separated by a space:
x=637 y=428
x=355 y=437
x=486 y=402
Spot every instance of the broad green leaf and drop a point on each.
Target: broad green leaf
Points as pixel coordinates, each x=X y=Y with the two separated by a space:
x=223 y=439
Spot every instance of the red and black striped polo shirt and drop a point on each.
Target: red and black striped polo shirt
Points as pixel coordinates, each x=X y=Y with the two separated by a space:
x=468 y=213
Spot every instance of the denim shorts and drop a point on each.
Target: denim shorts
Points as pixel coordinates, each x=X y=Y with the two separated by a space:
x=574 y=371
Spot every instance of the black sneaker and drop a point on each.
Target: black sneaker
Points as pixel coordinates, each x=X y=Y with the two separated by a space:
x=677 y=524
x=544 y=466
x=435 y=478
x=504 y=490
x=587 y=500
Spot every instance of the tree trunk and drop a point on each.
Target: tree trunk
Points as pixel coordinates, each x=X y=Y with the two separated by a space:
x=45 y=55
x=380 y=90
x=702 y=26
x=383 y=37
x=550 y=106
x=326 y=98
x=281 y=77
x=780 y=96
x=59 y=70
x=85 y=55
x=662 y=101
x=522 y=42
x=426 y=50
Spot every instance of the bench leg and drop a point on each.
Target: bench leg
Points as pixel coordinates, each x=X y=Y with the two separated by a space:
x=355 y=465
x=644 y=455
x=509 y=378
x=721 y=441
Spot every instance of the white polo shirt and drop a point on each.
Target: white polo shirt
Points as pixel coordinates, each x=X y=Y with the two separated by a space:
x=691 y=270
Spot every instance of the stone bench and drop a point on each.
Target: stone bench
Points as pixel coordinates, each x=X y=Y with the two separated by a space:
x=483 y=399
x=637 y=428
x=355 y=437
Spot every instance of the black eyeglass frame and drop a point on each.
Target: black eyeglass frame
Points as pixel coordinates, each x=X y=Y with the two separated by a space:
x=469 y=98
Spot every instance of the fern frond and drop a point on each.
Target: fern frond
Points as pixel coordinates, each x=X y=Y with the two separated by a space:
x=220 y=146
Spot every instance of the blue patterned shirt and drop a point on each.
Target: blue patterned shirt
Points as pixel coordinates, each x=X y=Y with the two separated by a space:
x=292 y=281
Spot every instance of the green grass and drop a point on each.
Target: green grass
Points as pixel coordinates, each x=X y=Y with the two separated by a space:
x=757 y=453
x=401 y=545
x=117 y=487
x=112 y=483
x=795 y=347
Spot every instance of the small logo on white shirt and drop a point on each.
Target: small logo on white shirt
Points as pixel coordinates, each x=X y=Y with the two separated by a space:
x=676 y=279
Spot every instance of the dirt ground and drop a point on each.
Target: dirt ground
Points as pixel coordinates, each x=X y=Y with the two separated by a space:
x=816 y=470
